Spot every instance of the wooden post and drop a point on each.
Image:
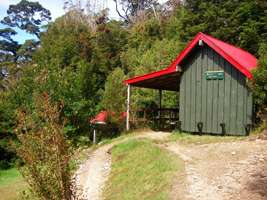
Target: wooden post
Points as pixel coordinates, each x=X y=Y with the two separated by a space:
x=94 y=137
x=160 y=97
x=128 y=108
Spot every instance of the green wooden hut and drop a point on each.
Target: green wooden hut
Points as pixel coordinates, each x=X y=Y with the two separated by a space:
x=211 y=78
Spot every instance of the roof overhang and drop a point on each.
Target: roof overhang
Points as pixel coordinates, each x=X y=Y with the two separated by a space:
x=166 y=79
x=169 y=81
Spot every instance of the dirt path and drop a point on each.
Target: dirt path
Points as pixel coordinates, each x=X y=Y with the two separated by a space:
x=93 y=174
x=217 y=171
x=224 y=171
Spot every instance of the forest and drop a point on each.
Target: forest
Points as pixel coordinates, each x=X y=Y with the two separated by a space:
x=79 y=61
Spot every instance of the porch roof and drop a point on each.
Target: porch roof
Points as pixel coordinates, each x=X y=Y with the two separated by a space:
x=164 y=79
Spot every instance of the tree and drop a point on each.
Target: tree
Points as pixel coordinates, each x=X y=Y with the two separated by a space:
x=8 y=46
x=65 y=68
x=7 y=122
x=8 y=56
x=28 y=16
x=109 y=42
x=115 y=92
x=259 y=83
x=132 y=8
x=241 y=22
x=26 y=51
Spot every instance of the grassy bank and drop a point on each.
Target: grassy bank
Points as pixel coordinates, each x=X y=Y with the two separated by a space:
x=141 y=170
x=11 y=184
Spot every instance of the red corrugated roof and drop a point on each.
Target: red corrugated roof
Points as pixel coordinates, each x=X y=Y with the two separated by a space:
x=102 y=117
x=240 y=59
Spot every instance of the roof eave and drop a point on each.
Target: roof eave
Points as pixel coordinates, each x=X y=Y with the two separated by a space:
x=149 y=76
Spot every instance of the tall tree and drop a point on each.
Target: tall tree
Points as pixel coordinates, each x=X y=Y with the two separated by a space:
x=240 y=22
x=28 y=16
x=115 y=93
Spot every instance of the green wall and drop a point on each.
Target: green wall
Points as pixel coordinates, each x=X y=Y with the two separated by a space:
x=213 y=102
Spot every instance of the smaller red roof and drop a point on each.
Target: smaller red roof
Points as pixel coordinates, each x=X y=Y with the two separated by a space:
x=102 y=117
x=240 y=59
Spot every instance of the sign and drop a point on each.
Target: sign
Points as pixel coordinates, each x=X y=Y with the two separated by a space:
x=214 y=75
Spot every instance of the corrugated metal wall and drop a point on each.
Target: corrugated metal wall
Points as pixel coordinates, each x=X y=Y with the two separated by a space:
x=213 y=102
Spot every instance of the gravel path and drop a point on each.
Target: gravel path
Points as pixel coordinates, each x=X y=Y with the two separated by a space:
x=217 y=171
x=224 y=171
x=93 y=174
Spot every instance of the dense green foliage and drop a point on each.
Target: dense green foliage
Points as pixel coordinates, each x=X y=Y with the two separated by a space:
x=114 y=93
x=81 y=67
x=259 y=84
x=242 y=22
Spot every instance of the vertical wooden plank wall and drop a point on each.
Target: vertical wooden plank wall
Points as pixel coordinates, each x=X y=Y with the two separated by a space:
x=213 y=102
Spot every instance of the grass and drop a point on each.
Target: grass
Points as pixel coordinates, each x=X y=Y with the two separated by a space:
x=11 y=184
x=259 y=129
x=122 y=136
x=81 y=154
x=141 y=170
x=186 y=138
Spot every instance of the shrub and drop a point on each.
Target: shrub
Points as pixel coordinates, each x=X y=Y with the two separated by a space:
x=44 y=151
x=259 y=84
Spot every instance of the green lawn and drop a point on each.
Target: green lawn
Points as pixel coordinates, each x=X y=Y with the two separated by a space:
x=11 y=184
x=187 y=138
x=141 y=170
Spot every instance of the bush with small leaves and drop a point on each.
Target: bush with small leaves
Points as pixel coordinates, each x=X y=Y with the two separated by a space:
x=45 y=152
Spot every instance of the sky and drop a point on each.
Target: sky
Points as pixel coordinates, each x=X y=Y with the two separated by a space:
x=56 y=9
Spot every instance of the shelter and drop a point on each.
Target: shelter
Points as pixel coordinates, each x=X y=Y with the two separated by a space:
x=211 y=78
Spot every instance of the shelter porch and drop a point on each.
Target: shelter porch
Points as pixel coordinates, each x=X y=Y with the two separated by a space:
x=163 y=118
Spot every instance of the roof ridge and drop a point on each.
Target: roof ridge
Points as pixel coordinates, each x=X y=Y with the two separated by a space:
x=244 y=69
x=236 y=47
x=204 y=35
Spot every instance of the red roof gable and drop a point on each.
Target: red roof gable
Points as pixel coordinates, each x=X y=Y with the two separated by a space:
x=240 y=59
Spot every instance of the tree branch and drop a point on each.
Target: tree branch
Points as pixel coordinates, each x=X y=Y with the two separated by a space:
x=117 y=10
